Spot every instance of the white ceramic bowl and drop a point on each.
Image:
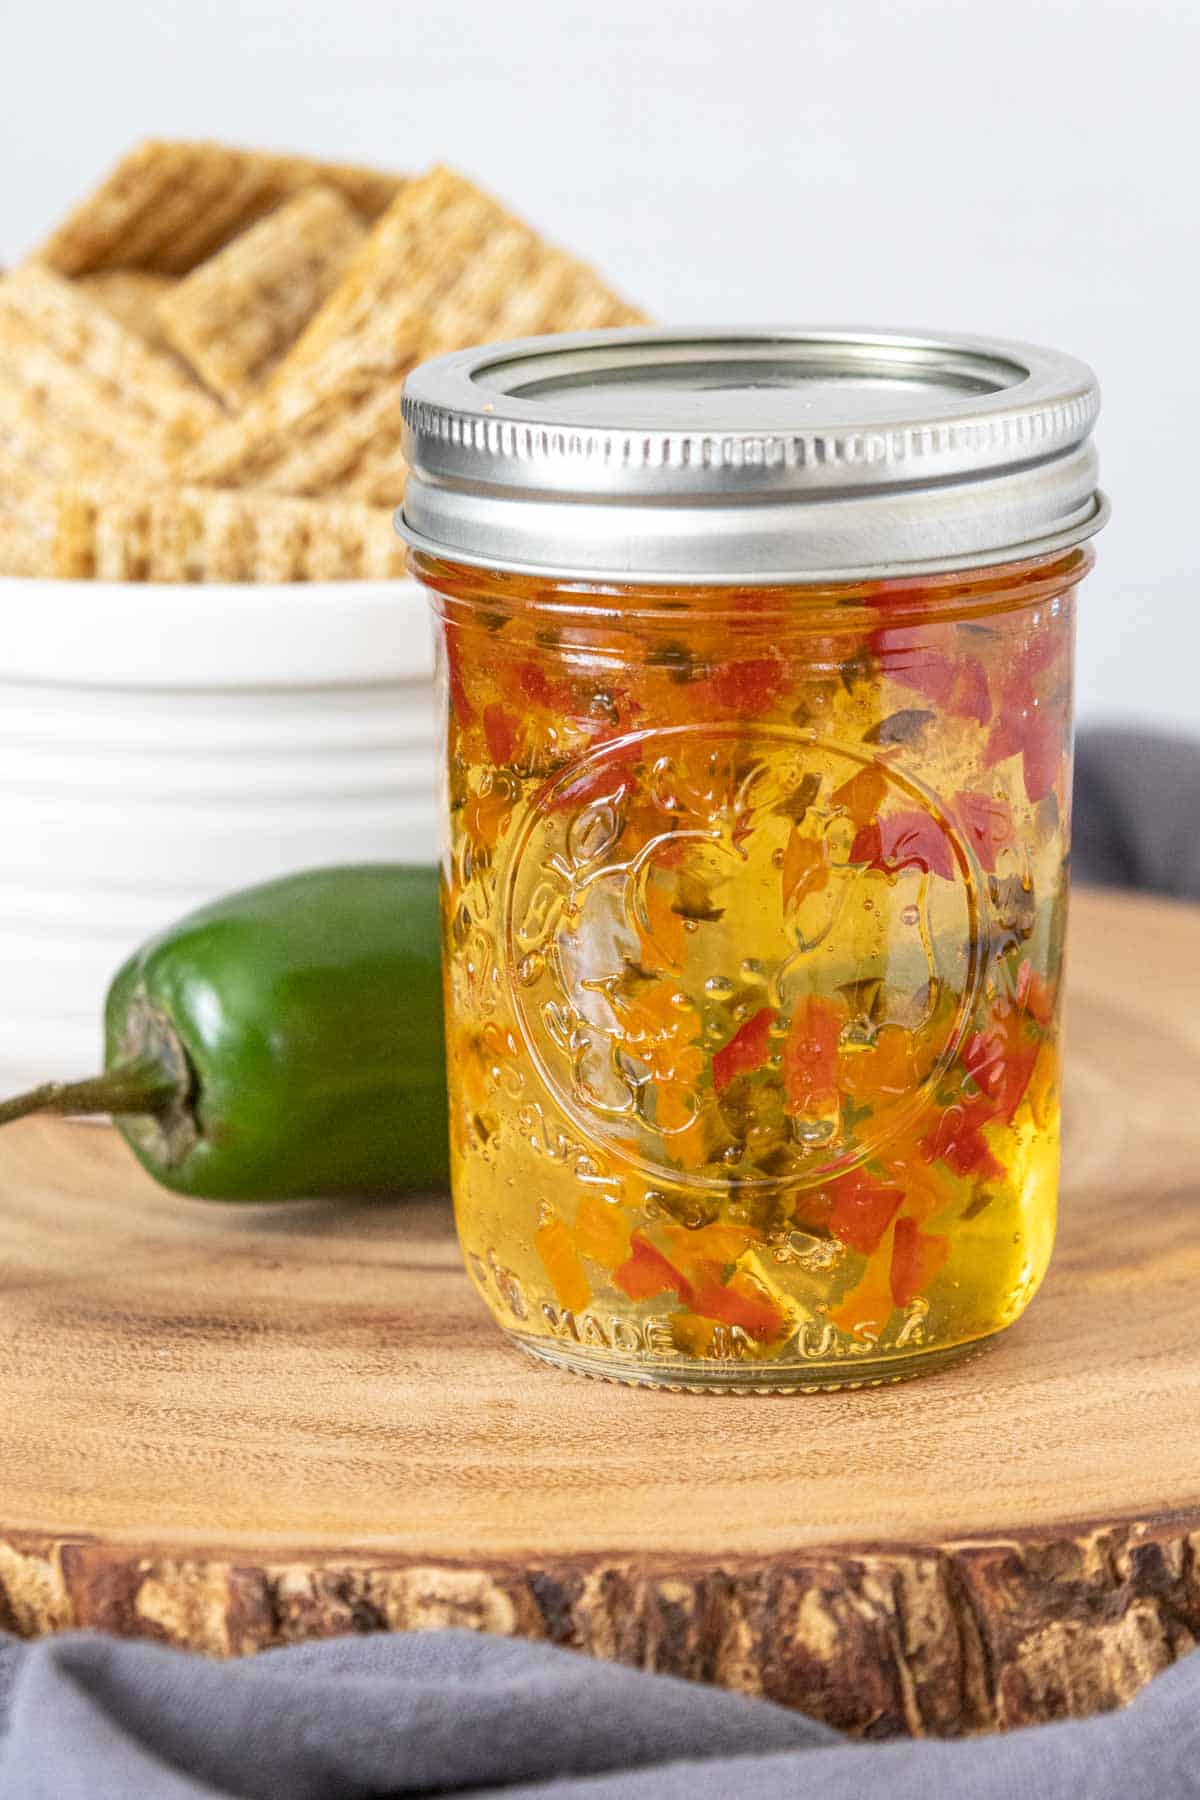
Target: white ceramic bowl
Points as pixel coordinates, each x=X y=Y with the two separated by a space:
x=161 y=745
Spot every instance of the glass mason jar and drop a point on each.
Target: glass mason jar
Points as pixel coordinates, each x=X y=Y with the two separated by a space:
x=756 y=861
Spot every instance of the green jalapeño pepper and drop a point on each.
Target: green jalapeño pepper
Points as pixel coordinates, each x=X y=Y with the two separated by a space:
x=283 y=1043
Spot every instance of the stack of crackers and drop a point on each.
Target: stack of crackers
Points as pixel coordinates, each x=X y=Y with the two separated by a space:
x=200 y=369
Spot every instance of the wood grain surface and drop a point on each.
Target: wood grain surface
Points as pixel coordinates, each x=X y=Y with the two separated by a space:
x=231 y=1428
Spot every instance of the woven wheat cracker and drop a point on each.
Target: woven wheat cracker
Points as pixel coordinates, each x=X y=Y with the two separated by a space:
x=35 y=434
x=22 y=551
x=75 y=382
x=24 y=538
x=132 y=296
x=167 y=205
x=331 y=427
x=235 y=315
x=453 y=256
x=198 y=534
x=18 y=482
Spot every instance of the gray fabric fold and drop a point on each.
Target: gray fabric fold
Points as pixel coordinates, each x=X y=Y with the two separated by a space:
x=91 y=1718
x=414 y=1713
x=1137 y=812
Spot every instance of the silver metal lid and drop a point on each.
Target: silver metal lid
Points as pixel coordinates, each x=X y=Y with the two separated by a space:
x=757 y=455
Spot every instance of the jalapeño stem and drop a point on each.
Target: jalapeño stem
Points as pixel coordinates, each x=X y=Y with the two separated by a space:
x=143 y=1086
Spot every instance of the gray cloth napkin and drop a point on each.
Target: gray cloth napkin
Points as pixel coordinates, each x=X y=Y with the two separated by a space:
x=1137 y=812
x=446 y=1712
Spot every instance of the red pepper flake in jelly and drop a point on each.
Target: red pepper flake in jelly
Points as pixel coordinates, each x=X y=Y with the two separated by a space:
x=608 y=778
x=1000 y=1061
x=501 y=733
x=916 y=1258
x=535 y=685
x=750 y=686
x=862 y=1211
x=739 y=1301
x=1034 y=995
x=958 y=685
x=647 y=1273
x=747 y=1050
x=1035 y=733
x=988 y=824
x=957 y=1138
x=905 y=840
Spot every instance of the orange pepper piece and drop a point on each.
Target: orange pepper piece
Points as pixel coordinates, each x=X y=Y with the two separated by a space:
x=805 y=867
x=810 y=1054
x=928 y=1190
x=682 y=1126
x=863 y=795
x=866 y=1309
x=664 y=936
x=885 y=1070
x=692 y=1335
x=485 y=816
x=601 y=1231
x=560 y=1259
x=661 y=1033
x=1043 y=1087
x=711 y=1245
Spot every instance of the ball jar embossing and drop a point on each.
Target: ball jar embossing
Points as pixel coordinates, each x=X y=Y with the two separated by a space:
x=755 y=895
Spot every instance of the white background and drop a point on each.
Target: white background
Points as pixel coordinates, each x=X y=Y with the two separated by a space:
x=1022 y=167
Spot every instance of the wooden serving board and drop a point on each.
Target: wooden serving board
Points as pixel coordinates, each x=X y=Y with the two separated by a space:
x=231 y=1428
